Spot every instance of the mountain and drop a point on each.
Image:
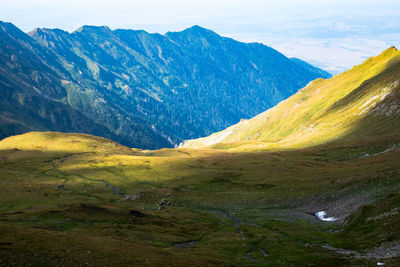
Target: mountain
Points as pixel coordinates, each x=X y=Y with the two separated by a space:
x=32 y=96
x=358 y=104
x=142 y=90
x=37 y=94
x=315 y=184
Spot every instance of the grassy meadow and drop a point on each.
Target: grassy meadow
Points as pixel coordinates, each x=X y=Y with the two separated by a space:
x=73 y=199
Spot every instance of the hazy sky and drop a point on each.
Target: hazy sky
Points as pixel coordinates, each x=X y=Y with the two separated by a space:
x=334 y=35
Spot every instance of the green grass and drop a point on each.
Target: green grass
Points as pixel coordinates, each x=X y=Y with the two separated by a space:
x=274 y=193
x=76 y=199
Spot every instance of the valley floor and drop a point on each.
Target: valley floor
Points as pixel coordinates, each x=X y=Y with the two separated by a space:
x=71 y=199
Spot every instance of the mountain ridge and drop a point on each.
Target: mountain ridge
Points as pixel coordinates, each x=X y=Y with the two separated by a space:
x=313 y=105
x=153 y=90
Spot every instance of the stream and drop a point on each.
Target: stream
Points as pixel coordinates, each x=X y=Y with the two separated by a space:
x=236 y=224
x=108 y=184
x=237 y=221
x=114 y=188
x=250 y=257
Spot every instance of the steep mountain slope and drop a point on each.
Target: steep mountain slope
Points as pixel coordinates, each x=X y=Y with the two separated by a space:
x=39 y=94
x=145 y=90
x=32 y=96
x=360 y=103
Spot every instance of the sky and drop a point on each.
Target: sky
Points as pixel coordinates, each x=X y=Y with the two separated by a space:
x=333 y=35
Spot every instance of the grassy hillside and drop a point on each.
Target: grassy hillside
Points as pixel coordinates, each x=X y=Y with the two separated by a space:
x=360 y=103
x=77 y=199
x=74 y=199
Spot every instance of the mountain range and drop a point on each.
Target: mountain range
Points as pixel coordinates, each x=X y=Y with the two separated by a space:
x=139 y=89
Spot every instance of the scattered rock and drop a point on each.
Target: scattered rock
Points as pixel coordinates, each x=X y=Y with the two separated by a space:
x=163 y=203
x=384 y=251
x=129 y=197
x=137 y=214
x=184 y=244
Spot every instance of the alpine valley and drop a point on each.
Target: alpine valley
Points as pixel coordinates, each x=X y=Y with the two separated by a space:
x=312 y=181
x=139 y=89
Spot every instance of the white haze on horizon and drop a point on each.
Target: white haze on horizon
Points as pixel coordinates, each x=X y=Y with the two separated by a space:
x=333 y=35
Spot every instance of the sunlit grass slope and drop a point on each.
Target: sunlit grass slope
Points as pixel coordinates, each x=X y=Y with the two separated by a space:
x=72 y=199
x=360 y=103
x=57 y=142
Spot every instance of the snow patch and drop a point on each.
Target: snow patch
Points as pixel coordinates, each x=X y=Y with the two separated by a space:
x=321 y=216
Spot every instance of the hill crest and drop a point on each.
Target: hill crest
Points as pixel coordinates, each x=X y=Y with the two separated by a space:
x=325 y=110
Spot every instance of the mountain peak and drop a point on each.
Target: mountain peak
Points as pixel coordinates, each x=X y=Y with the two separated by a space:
x=194 y=30
x=36 y=31
x=40 y=32
x=197 y=28
x=8 y=25
x=93 y=28
x=4 y=23
x=200 y=30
